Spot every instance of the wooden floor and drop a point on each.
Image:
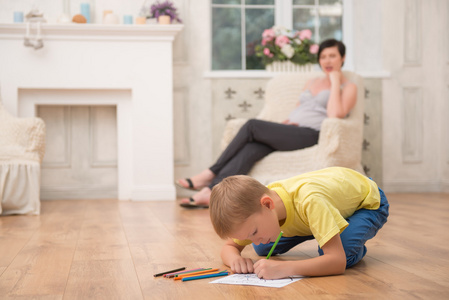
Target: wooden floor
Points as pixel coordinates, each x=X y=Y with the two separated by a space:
x=106 y=249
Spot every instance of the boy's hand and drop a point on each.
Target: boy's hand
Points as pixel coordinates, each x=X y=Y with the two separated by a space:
x=271 y=269
x=242 y=265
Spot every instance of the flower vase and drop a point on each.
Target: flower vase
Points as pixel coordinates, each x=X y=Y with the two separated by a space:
x=164 y=20
x=288 y=66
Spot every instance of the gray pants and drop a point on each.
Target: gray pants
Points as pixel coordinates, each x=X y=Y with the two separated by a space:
x=255 y=140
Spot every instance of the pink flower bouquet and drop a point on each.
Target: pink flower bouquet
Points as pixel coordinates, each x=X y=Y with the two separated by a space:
x=280 y=44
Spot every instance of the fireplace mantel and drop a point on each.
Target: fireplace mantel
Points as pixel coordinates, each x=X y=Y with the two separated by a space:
x=95 y=57
x=96 y=31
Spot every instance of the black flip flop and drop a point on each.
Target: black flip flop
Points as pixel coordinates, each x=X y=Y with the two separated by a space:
x=190 y=187
x=192 y=204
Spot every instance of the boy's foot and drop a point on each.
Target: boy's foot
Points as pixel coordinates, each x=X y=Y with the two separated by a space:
x=199 y=200
x=198 y=181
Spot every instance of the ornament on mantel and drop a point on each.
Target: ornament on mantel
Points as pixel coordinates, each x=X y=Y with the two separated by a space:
x=64 y=19
x=34 y=19
x=164 y=12
x=111 y=18
x=79 y=18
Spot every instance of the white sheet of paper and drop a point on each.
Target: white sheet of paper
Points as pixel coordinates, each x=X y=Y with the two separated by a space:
x=252 y=279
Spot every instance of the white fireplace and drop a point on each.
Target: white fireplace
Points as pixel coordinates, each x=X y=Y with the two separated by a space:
x=132 y=60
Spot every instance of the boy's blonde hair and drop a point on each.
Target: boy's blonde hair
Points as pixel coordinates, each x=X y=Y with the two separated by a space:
x=232 y=201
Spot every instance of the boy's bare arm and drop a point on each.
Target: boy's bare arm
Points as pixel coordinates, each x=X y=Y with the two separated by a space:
x=332 y=262
x=231 y=256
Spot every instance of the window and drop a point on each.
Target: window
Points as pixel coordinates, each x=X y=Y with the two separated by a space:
x=323 y=17
x=237 y=26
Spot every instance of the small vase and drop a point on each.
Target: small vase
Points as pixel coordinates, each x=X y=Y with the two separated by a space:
x=111 y=19
x=151 y=21
x=164 y=20
x=288 y=66
x=141 y=20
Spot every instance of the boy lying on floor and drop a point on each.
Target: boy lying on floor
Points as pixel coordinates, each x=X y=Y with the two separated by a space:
x=339 y=207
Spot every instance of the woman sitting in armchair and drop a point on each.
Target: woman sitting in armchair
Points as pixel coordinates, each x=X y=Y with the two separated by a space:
x=331 y=96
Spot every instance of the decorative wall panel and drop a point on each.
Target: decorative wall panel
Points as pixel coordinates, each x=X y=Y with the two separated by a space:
x=412 y=34
x=412 y=125
x=58 y=135
x=372 y=131
x=181 y=126
x=103 y=136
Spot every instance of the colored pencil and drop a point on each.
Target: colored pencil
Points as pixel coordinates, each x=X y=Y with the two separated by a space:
x=171 y=271
x=275 y=243
x=199 y=272
x=179 y=277
x=207 y=273
x=168 y=275
x=171 y=275
x=206 y=276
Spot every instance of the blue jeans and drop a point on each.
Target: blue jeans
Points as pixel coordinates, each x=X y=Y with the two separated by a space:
x=363 y=226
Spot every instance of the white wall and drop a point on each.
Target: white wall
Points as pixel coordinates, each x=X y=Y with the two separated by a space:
x=415 y=97
x=378 y=43
x=403 y=42
x=192 y=94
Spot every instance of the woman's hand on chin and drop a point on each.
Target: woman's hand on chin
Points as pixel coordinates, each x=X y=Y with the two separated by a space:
x=336 y=77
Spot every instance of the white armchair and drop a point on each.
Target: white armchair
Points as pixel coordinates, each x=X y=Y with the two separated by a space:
x=340 y=140
x=22 y=148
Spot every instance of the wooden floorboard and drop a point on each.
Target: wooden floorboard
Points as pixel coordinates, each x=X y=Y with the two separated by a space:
x=109 y=249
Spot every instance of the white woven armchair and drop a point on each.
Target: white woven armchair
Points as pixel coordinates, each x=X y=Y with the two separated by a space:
x=339 y=144
x=22 y=147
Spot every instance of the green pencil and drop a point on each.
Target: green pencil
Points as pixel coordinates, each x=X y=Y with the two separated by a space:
x=274 y=245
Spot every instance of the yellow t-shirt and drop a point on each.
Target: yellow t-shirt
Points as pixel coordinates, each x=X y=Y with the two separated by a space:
x=317 y=203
